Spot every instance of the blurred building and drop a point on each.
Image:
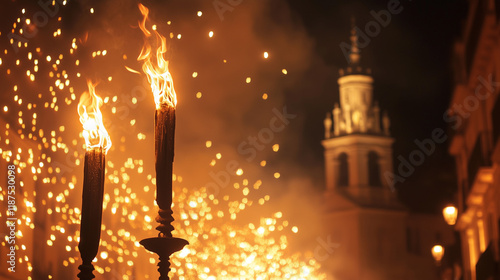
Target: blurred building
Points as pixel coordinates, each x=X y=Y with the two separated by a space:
x=32 y=258
x=378 y=239
x=474 y=119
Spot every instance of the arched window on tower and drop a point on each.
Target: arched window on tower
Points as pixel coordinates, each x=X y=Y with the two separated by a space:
x=373 y=169
x=343 y=174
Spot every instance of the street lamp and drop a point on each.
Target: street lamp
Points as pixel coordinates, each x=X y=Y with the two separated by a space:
x=450 y=214
x=437 y=253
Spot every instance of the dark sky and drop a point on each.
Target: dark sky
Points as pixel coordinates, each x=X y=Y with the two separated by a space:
x=410 y=59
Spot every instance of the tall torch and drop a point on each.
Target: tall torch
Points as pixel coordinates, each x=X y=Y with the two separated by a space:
x=98 y=143
x=156 y=68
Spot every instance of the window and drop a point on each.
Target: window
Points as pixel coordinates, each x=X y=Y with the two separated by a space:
x=495 y=117
x=476 y=160
x=413 y=241
x=343 y=175
x=373 y=169
x=408 y=240
x=465 y=193
x=476 y=28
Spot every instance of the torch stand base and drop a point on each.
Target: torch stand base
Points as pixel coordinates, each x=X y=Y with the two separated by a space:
x=164 y=247
x=86 y=272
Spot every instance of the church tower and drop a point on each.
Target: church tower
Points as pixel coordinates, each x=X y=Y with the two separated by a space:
x=362 y=212
x=358 y=149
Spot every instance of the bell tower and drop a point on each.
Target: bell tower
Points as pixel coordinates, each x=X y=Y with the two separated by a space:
x=361 y=212
x=358 y=149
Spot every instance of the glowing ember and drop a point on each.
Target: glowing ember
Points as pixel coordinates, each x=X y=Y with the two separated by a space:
x=224 y=244
x=94 y=132
x=158 y=75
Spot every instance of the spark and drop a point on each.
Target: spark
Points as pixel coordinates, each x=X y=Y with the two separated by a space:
x=276 y=147
x=222 y=246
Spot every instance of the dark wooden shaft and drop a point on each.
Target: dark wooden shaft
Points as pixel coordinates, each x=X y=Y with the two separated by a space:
x=164 y=155
x=164 y=245
x=92 y=198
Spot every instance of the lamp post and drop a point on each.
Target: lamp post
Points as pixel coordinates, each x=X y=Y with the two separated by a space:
x=450 y=215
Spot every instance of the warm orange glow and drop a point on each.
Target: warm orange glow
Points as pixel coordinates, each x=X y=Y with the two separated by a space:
x=155 y=66
x=94 y=132
x=450 y=214
x=231 y=236
x=438 y=252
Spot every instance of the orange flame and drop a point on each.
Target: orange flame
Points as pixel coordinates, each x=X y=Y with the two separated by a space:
x=94 y=132
x=157 y=72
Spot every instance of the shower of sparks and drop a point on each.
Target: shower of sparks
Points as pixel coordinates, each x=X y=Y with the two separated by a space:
x=48 y=155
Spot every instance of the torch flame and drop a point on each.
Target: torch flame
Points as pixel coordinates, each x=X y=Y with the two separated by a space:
x=155 y=66
x=94 y=132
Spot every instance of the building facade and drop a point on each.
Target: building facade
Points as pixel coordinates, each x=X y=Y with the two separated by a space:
x=378 y=238
x=474 y=119
x=24 y=228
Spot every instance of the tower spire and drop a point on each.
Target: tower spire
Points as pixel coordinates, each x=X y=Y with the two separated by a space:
x=355 y=55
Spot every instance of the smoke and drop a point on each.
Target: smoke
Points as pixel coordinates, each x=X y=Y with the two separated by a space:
x=233 y=103
x=231 y=73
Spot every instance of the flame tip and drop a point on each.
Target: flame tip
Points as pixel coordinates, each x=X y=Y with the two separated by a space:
x=94 y=132
x=157 y=71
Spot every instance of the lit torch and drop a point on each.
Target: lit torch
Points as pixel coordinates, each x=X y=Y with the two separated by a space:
x=98 y=143
x=156 y=68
